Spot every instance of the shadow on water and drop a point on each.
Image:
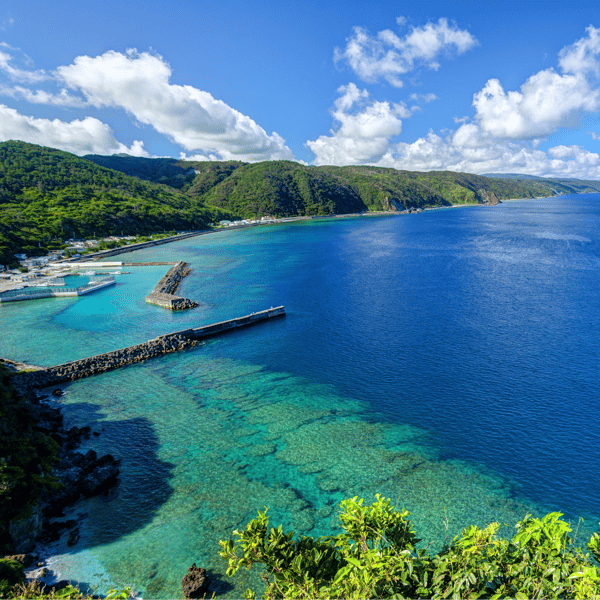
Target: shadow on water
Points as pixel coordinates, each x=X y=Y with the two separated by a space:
x=142 y=486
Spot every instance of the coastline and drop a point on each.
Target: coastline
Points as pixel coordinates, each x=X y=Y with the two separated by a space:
x=96 y=256
x=389 y=214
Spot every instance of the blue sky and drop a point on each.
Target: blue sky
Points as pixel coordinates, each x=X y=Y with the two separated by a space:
x=486 y=86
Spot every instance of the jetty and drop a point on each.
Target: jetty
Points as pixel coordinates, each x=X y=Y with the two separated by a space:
x=163 y=344
x=164 y=292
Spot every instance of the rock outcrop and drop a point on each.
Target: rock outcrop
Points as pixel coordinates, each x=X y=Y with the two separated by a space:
x=195 y=583
x=80 y=475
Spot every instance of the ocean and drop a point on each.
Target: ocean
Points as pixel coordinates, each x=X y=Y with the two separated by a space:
x=448 y=360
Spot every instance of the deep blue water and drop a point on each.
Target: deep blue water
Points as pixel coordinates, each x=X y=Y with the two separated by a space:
x=449 y=360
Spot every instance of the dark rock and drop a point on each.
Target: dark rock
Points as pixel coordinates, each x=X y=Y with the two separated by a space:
x=91 y=456
x=98 y=479
x=73 y=537
x=57 y=587
x=195 y=583
x=57 y=392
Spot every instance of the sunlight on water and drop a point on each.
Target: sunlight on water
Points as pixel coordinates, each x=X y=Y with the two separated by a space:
x=213 y=440
x=446 y=360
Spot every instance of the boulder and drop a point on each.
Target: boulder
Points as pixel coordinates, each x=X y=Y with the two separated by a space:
x=195 y=583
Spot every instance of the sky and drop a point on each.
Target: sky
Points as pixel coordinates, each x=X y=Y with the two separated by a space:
x=478 y=87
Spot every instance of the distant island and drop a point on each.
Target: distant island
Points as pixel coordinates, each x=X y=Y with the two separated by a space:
x=48 y=196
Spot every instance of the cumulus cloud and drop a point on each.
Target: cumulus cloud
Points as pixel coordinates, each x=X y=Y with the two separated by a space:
x=546 y=102
x=192 y=118
x=387 y=56
x=505 y=133
x=436 y=153
x=86 y=136
x=580 y=57
x=365 y=127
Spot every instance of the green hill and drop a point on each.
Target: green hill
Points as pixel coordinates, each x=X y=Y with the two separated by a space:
x=47 y=195
x=284 y=188
x=560 y=184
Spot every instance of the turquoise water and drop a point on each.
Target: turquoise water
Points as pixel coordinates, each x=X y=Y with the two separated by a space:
x=448 y=360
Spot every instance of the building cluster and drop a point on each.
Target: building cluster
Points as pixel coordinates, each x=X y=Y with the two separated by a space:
x=260 y=221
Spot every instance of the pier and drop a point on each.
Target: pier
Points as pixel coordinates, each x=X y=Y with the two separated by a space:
x=164 y=344
x=33 y=294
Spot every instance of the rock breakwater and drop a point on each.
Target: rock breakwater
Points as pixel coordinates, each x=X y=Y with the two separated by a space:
x=164 y=344
x=164 y=292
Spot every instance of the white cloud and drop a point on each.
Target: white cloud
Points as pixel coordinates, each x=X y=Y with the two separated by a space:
x=86 y=136
x=63 y=98
x=505 y=133
x=387 y=56
x=580 y=57
x=365 y=129
x=547 y=101
x=423 y=97
x=23 y=75
x=434 y=152
x=192 y=118
x=9 y=22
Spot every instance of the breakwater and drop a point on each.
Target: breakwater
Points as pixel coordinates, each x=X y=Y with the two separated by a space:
x=164 y=344
x=164 y=292
x=34 y=294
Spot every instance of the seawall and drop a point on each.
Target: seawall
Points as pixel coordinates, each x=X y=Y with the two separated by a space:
x=139 y=246
x=164 y=344
x=164 y=292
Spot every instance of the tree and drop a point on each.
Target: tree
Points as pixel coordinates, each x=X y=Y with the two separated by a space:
x=376 y=557
x=26 y=458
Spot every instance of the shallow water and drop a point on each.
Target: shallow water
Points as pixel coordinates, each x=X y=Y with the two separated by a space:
x=448 y=360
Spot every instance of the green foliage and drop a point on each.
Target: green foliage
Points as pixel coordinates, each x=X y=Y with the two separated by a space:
x=376 y=557
x=36 y=591
x=47 y=196
x=11 y=574
x=26 y=458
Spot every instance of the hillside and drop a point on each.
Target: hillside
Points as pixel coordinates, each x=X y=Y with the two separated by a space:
x=561 y=185
x=284 y=188
x=47 y=195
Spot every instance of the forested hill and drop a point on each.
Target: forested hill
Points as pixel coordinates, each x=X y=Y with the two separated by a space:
x=284 y=188
x=561 y=185
x=47 y=196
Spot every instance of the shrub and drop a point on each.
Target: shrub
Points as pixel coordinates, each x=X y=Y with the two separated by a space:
x=376 y=557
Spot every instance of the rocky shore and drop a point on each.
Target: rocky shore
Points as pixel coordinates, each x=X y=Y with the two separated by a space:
x=79 y=475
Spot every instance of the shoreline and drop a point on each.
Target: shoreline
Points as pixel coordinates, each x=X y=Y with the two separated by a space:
x=97 y=256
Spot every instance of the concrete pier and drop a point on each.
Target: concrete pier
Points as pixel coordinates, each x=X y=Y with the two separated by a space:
x=33 y=294
x=164 y=344
x=164 y=292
